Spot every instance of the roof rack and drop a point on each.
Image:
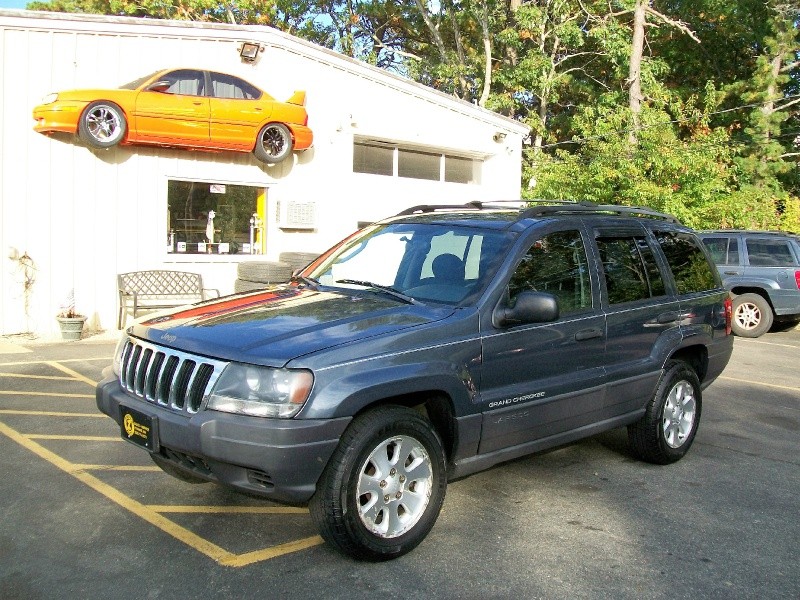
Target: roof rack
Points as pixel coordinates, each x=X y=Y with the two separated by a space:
x=592 y=208
x=546 y=207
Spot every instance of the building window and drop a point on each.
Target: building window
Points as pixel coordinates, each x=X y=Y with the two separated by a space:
x=397 y=161
x=210 y=218
x=377 y=160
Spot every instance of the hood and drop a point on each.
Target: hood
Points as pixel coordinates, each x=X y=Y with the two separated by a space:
x=276 y=326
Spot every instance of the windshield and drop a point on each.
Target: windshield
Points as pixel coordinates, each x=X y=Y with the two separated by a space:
x=136 y=83
x=437 y=263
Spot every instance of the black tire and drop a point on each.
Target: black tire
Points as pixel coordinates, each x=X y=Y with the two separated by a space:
x=176 y=472
x=752 y=315
x=102 y=125
x=264 y=271
x=666 y=431
x=297 y=260
x=397 y=521
x=273 y=144
x=240 y=285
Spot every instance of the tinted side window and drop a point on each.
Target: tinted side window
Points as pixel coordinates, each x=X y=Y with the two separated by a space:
x=556 y=264
x=228 y=86
x=185 y=82
x=630 y=269
x=724 y=251
x=689 y=265
x=769 y=253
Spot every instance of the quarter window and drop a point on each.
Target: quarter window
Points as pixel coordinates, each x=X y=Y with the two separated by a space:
x=769 y=253
x=690 y=267
x=556 y=264
x=630 y=269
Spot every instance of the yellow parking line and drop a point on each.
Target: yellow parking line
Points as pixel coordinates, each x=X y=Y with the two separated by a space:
x=47 y=377
x=772 y=385
x=70 y=372
x=50 y=394
x=202 y=545
x=180 y=533
x=241 y=560
x=48 y=413
x=235 y=510
x=77 y=438
x=108 y=359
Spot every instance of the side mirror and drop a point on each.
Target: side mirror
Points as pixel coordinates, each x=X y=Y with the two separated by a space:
x=159 y=86
x=530 y=307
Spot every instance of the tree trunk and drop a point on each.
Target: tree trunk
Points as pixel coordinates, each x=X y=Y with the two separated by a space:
x=487 y=52
x=635 y=73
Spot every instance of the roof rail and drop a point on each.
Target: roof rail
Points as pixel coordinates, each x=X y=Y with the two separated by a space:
x=592 y=208
x=546 y=207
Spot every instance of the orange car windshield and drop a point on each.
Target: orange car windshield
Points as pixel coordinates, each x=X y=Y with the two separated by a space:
x=136 y=83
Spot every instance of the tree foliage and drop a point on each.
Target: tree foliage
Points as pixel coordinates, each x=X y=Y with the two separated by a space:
x=701 y=119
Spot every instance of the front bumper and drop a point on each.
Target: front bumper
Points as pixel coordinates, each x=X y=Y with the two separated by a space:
x=279 y=459
x=58 y=116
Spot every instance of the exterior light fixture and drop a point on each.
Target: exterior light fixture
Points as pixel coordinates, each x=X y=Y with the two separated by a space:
x=499 y=136
x=249 y=51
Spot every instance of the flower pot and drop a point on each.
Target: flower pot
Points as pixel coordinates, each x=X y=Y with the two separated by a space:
x=71 y=327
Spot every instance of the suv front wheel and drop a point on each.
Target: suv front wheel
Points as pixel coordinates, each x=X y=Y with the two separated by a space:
x=667 y=429
x=384 y=486
x=752 y=315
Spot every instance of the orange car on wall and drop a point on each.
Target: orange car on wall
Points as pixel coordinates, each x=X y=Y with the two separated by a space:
x=188 y=108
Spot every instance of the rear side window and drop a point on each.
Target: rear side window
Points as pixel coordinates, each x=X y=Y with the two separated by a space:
x=690 y=268
x=630 y=269
x=769 y=253
x=724 y=251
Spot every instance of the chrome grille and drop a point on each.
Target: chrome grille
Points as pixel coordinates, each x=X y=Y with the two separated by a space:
x=167 y=377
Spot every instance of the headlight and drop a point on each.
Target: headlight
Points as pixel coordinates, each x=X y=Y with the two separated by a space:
x=50 y=98
x=261 y=391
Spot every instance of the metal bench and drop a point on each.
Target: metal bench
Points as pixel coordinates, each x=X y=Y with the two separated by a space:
x=151 y=290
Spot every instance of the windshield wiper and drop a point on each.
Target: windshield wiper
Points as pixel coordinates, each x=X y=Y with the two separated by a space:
x=383 y=288
x=309 y=281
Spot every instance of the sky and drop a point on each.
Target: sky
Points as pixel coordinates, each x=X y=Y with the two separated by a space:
x=13 y=3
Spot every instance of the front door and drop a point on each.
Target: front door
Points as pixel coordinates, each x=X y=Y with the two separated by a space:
x=174 y=109
x=539 y=380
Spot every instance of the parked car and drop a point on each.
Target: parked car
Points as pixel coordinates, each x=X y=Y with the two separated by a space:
x=187 y=108
x=428 y=347
x=762 y=271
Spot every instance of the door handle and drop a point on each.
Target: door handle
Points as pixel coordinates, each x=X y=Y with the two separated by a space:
x=731 y=272
x=588 y=334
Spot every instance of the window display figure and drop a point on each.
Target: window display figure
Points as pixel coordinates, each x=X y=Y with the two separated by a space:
x=210 y=229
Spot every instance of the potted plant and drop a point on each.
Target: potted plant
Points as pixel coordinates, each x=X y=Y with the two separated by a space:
x=70 y=322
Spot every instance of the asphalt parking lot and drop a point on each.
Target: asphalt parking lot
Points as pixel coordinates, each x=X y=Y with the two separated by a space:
x=86 y=515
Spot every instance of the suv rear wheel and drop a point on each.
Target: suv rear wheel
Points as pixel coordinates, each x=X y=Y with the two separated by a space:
x=667 y=429
x=752 y=315
x=383 y=488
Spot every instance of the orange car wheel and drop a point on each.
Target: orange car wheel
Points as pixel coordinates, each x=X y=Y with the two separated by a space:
x=102 y=125
x=273 y=144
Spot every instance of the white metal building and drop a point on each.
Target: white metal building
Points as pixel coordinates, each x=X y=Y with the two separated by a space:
x=73 y=217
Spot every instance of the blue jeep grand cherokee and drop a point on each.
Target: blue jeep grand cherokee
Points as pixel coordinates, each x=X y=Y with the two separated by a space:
x=427 y=347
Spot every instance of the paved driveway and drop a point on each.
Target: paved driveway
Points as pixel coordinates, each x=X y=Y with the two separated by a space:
x=87 y=515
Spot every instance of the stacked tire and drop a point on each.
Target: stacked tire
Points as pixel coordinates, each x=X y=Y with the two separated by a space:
x=257 y=275
x=297 y=260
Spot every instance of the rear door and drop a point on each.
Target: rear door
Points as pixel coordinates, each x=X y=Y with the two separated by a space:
x=642 y=312
x=237 y=111
x=542 y=379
